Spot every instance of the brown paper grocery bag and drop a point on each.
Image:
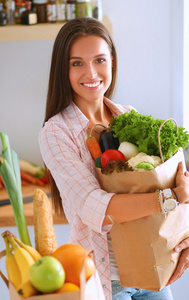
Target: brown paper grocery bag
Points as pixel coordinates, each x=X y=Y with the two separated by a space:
x=144 y=248
x=161 y=177
x=90 y=290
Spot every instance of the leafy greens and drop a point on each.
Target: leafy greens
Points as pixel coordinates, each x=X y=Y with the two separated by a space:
x=142 y=131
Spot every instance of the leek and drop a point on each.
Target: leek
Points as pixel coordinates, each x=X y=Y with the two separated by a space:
x=10 y=173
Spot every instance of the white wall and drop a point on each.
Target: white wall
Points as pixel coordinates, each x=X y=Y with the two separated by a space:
x=148 y=35
x=23 y=85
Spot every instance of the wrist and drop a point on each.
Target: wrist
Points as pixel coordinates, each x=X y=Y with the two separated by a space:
x=167 y=200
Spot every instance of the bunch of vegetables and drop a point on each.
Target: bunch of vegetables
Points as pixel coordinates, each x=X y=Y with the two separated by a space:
x=142 y=131
x=30 y=174
x=14 y=173
x=10 y=173
x=131 y=143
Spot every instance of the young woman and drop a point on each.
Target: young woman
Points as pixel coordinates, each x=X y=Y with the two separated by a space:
x=82 y=80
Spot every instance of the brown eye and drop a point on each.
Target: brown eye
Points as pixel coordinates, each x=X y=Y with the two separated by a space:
x=76 y=63
x=100 y=60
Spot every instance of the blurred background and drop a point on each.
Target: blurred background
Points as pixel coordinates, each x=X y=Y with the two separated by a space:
x=152 y=39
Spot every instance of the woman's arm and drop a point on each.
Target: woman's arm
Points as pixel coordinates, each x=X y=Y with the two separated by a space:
x=128 y=207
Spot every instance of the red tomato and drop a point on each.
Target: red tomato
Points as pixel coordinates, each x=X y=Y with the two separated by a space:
x=111 y=154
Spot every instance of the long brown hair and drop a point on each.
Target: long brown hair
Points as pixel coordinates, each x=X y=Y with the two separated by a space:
x=59 y=94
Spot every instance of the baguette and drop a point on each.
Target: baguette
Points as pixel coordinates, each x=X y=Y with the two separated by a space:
x=45 y=238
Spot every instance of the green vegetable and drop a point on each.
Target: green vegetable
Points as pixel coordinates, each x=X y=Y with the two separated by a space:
x=33 y=169
x=10 y=173
x=145 y=165
x=142 y=131
x=98 y=162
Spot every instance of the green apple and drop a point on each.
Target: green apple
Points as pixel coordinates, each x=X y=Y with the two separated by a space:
x=47 y=274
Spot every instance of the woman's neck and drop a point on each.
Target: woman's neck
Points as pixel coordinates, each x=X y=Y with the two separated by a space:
x=96 y=113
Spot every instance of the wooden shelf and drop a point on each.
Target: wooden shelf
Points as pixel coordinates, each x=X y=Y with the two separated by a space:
x=29 y=33
x=6 y=211
x=46 y=31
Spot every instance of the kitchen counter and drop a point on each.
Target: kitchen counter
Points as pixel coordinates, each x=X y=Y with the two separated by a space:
x=6 y=211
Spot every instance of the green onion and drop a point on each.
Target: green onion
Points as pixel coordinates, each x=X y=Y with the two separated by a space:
x=10 y=173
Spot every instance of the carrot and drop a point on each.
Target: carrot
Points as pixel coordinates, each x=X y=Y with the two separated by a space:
x=93 y=147
x=24 y=182
x=1 y=183
x=31 y=179
x=1 y=180
x=45 y=238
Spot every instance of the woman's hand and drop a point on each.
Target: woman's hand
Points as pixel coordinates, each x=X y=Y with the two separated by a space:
x=182 y=184
x=183 y=263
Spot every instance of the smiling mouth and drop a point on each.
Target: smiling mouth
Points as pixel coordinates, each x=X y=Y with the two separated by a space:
x=92 y=85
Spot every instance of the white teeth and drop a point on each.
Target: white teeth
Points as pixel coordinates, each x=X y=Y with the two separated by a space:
x=91 y=84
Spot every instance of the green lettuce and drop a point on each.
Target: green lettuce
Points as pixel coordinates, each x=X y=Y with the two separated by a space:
x=142 y=131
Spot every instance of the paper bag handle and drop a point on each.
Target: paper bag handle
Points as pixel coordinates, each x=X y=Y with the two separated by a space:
x=83 y=277
x=159 y=143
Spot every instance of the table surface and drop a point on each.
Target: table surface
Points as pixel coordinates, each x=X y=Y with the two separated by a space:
x=6 y=211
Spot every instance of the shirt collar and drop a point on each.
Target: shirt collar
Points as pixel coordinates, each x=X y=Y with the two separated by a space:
x=80 y=121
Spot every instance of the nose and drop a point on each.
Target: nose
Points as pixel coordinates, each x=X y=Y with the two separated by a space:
x=91 y=71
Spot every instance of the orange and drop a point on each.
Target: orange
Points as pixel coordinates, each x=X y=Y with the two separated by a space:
x=68 y=287
x=71 y=257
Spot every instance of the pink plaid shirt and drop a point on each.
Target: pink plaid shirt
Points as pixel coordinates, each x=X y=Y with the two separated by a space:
x=63 y=147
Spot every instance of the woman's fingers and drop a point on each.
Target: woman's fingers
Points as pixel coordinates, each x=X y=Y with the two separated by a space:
x=182 y=245
x=182 y=265
x=181 y=167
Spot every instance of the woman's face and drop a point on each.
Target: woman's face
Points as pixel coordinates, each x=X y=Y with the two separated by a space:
x=90 y=68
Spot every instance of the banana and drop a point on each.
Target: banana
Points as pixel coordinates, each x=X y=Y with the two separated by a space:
x=18 y=264
x=13 y=271
x=32 y=251
x=27 y=290
x=23 y=258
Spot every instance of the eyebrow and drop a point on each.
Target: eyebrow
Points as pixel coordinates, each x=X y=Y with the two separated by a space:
x=78 y=57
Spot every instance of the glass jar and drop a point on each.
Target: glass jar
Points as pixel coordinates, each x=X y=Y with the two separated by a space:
x=10 y=8
x=83 y=8
x=19 y=8
x=70 y=10
x=3 y=16
x=97 y=9
x=61 y=10
x=40 y=7
x=51 y=11
x=28 y=17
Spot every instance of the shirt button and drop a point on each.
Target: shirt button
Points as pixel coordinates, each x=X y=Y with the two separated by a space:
x=100 y=234
x=103 y=259
x=103 y=285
